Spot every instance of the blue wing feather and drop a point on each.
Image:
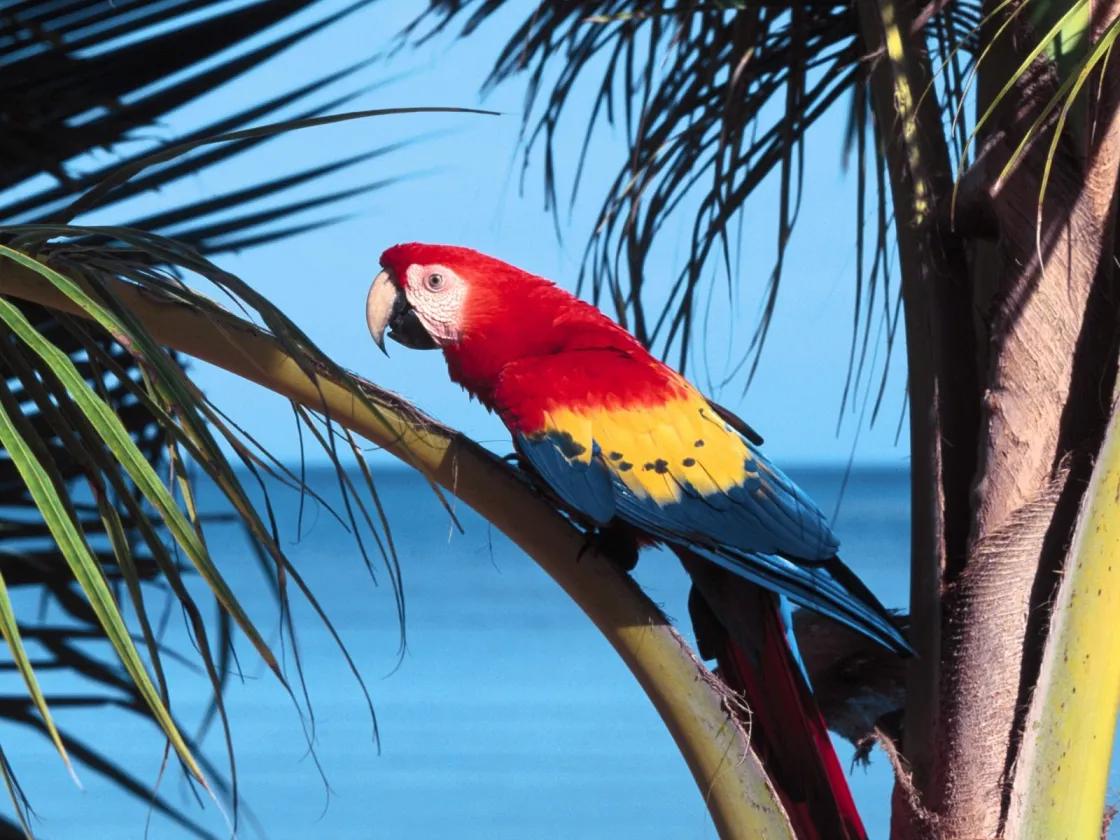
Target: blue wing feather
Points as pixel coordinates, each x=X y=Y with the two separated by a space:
x=583 y=485
x=764 y=528
x=825 y=586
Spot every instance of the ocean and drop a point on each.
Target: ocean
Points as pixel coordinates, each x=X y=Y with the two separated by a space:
x=507 y=716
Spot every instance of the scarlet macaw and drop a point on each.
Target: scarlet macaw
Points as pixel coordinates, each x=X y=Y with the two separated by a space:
x=631 y=448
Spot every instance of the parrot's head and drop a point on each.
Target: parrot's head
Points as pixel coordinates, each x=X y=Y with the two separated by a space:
x=481 y=312
x=416 y=298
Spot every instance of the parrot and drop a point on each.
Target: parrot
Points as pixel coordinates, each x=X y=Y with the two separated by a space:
x=634 y=453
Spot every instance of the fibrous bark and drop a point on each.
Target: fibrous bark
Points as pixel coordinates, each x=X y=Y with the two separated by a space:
x=1050 y=370
x=1012 y=353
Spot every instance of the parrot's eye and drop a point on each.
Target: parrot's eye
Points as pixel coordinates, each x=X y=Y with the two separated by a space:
x=435 y=283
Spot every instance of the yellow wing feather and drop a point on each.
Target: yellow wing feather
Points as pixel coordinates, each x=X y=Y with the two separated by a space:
x=655 y=449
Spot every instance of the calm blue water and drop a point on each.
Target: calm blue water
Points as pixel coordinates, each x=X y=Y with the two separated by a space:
x=509 y=716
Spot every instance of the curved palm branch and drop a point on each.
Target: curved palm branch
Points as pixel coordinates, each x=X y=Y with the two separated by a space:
x=58 y=273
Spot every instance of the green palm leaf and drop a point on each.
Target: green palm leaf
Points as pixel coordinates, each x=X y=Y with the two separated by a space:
x=9 y=628
x=50 y=497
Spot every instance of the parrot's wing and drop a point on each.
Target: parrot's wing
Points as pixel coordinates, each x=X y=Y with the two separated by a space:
x=726 y=502
x=612 y=435
x=678 y=466
x=676 y=470
x=573 y=472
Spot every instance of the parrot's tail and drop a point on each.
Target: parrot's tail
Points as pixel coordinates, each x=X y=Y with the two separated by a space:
x=787 y=730
x=824 y=586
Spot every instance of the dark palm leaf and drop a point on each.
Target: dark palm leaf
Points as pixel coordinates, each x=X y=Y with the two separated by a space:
x=75 y=77
x=121 y=524
x=74 y=82
x=715 y=98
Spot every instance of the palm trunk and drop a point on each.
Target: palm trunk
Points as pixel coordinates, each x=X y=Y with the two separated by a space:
x=1012 y=364
x=942 y=371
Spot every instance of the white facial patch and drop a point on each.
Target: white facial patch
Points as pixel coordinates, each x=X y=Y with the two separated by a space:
x=437 y=294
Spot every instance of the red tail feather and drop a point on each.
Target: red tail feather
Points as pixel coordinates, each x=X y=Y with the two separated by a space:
x=740 y=626
x=789 y=734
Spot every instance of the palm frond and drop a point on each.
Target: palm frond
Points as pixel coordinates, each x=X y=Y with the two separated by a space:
x=74 y=426
x=105 y=76
x=79 y=77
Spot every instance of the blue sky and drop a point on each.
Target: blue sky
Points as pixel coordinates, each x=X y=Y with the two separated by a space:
x=460 y=186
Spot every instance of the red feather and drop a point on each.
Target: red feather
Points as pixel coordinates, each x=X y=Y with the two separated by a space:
x=786 y=727
x=585 y=379
x=523 y=316
x=789 y=733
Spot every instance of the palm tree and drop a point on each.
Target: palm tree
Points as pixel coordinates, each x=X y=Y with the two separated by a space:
x=1002 y=225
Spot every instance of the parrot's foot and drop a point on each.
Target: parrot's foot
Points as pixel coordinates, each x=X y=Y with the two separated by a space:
x=522 y=474
x=614 y=543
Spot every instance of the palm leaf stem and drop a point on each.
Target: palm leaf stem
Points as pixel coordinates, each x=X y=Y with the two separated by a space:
x=691 y=702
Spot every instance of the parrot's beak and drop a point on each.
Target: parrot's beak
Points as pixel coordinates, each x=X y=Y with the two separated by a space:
x=388 y=309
